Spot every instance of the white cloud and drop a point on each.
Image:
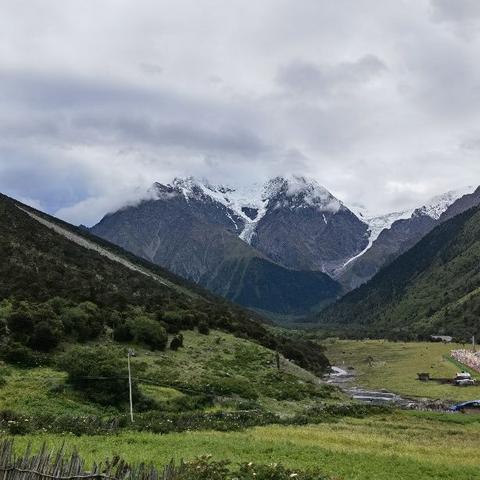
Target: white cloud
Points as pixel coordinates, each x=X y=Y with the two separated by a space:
x=375 y=100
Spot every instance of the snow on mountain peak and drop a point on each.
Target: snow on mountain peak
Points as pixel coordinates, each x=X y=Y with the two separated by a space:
x=304 y=193
x=439 y=204
x=250 y=203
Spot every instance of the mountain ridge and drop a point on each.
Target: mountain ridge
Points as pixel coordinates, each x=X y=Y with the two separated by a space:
x=430 y=289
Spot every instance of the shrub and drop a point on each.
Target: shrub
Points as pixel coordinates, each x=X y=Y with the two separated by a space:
x=234 y=386
x=176 y=343
x=203 y=327
x=100 y=373
x=84 y=321
x=122 y=332
x=18 y=354
x=46 y=335
x=148 y=331
x=20 y=321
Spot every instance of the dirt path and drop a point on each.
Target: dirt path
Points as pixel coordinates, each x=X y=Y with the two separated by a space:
x=83 y=242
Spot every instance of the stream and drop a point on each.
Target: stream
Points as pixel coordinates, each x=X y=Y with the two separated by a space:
x=342 y=379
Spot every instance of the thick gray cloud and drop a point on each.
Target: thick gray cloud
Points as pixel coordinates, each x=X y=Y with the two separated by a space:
x=464 y=11
x=301 y=76
x=378 y=101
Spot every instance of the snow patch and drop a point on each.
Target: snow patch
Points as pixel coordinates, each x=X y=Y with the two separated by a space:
x=292 y=192
x=439 y=204
x=434 y=208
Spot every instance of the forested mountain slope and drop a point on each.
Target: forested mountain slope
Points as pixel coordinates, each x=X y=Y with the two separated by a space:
x=434 y=288
x=53 y=289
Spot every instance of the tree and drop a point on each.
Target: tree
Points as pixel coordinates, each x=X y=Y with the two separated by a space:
x=84 y=321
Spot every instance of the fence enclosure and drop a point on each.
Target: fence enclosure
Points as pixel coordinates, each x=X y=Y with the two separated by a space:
x=60 y=466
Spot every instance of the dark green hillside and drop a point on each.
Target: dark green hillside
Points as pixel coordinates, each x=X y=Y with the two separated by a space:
x=63 y=285
x=434 y=288
x=264 y=285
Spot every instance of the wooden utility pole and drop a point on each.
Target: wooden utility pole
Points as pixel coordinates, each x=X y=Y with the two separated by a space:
x=129 y=354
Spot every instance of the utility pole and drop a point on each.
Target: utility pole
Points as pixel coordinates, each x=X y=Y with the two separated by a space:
x=473 y=342
x=129 y=354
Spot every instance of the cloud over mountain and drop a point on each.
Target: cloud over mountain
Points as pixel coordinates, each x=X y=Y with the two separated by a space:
x=376 y=100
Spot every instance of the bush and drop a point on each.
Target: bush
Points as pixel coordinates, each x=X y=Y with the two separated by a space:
x=100 y=373
x=148 y=331
x=46 y=335
x=203 y=327
x=234 y=386
x=18 y=354
x=84 y=321
x=177 y=342
x=122 y=332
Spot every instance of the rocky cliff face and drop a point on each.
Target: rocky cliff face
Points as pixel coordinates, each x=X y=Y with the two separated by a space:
x=305 y=227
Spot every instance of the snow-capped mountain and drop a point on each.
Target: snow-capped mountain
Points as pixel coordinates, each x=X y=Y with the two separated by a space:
x=249 y=204
x=434 y=209
x=256 y=246
x=393 y=234
x=439 y=204
x=292 y=220
x=286 y=232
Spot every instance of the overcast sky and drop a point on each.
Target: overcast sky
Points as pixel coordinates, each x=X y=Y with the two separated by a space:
x=378 y=100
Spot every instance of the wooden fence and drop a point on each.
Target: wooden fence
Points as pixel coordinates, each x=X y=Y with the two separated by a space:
x=60 y=466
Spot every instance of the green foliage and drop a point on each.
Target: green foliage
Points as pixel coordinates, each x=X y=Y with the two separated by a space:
x=88 y=292
x=203 y=328
x=149 y=332
x=233 y=386
x=84 y=321
x=100 y=373
x=18 y=354
x=434 y=288
x=177 y=342
x=205 y=468
x=394 y=446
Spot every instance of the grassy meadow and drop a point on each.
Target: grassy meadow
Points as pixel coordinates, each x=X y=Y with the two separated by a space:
x=394 y=366
x=403 y=445
x=400 y=446
x=237 y=369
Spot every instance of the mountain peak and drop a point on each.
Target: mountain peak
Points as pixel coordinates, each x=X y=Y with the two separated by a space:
x=435 y=207
x=303 y=192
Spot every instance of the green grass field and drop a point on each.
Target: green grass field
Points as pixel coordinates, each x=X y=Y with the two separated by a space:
x=398 y=446
x=396 y=364
x=402 y=446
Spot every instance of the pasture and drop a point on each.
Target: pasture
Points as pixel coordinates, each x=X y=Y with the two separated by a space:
x=394 y=366
x=399 y=446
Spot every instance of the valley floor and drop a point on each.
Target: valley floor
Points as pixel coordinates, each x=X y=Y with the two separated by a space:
x=380 y=364
x=403 y=446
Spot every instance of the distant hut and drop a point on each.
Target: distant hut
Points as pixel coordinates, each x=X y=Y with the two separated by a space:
x=441 y=338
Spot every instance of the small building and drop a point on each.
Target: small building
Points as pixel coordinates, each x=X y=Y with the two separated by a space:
x=441 y=338
x=423 y=377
